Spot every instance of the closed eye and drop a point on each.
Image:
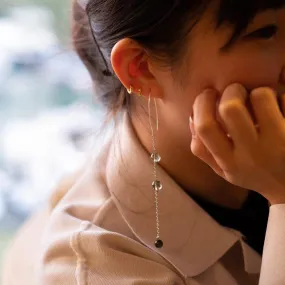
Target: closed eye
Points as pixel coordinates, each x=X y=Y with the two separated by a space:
x=267 y=33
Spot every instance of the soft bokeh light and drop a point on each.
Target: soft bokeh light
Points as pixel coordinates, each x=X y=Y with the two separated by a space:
x=48 y=121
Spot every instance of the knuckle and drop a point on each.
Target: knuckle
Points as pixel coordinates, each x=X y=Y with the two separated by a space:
x=229 y=108
x=206 y=127
x=198 y=149
x=195 y=149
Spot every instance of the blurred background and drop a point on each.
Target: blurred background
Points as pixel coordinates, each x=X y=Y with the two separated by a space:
x=47 y=118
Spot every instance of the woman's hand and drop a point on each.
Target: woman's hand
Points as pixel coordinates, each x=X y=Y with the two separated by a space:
x=246 y=156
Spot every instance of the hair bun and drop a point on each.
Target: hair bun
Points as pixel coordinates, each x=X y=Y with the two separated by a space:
x=86 y=46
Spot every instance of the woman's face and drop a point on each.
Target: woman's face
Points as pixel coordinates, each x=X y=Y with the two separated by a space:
x=256 y=59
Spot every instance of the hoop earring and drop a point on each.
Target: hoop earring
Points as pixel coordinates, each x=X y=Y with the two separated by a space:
x=156 y=184
x=130 y=90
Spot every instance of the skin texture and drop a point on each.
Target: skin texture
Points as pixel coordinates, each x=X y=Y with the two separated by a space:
x=215 y=88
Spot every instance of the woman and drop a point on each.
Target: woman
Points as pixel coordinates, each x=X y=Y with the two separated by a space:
x=160 y=204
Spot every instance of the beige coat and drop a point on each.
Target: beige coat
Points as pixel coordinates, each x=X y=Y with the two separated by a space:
x=23 y=254
x=103 y=231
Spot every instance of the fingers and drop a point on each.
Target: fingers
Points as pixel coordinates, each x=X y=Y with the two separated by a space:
x=208 y=129
x=237 y=118
x=267 y=111
x=200 y=151
x=211 y=142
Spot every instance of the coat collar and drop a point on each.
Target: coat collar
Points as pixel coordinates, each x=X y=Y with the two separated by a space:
x=193 y=241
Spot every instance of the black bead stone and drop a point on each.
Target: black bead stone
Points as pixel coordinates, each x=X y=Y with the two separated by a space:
x=158 y=243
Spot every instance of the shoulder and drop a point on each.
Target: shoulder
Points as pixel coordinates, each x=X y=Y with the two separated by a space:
x=87 y=238
x=25 y=243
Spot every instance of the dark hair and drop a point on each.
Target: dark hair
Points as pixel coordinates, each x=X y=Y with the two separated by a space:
x=160 y=26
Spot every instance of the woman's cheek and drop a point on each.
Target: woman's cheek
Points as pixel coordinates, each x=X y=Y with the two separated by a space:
x=252 y=73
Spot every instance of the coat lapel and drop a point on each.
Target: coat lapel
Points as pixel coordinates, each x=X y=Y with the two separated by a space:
x=193 y=241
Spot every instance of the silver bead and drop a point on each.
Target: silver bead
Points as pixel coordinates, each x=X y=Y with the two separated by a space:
x=156 y=185
x=155 y=157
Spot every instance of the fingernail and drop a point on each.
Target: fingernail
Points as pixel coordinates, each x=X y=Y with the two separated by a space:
x=192 y=127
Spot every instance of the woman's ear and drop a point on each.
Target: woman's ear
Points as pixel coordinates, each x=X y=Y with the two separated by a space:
x=131 y=64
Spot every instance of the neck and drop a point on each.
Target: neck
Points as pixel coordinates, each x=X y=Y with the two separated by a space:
x=193 y=175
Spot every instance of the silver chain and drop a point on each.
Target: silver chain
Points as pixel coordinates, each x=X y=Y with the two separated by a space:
x=154 y=163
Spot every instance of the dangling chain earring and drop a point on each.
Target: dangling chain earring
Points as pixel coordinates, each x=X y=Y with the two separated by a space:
x=156 y=185
x=156 y=158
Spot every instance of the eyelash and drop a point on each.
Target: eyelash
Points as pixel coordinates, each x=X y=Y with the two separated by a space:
x=266 y=33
